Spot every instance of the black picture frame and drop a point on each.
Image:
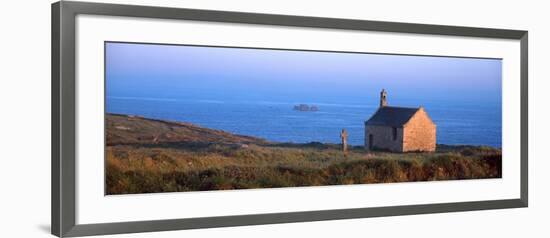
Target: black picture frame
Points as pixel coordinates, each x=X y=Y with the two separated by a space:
x=63 y=117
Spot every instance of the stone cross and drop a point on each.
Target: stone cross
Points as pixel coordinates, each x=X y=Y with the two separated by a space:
x=344 y=137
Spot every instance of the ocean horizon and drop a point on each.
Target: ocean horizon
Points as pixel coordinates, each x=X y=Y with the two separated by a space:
x=254 y=91
x=458 y=122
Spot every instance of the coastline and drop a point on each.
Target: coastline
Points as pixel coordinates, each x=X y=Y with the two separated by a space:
x=149 y=155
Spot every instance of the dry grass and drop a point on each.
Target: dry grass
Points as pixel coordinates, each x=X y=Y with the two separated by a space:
x=172 y=168
x=147 y=156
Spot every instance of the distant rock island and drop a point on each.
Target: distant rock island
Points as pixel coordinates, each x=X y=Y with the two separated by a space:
x=306 y=108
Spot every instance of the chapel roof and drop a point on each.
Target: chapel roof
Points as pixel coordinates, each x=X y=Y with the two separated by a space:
x=392 y=116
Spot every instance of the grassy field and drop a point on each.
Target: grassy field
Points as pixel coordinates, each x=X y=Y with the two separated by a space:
x=147 y=156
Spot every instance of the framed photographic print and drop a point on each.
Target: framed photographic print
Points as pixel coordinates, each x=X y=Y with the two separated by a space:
x=166 y=119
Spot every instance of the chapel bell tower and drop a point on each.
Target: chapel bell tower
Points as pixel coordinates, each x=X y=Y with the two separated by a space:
x=383 y=98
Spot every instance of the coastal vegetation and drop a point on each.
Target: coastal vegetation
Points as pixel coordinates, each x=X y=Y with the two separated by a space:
x=147 y=156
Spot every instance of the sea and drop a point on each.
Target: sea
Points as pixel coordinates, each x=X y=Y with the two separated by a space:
x=458 y=122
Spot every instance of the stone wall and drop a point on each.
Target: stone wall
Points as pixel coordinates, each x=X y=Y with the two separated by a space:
x=383 y=138
x=419 y=133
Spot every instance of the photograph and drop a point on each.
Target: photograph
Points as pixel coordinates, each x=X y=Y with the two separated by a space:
x=184 y=118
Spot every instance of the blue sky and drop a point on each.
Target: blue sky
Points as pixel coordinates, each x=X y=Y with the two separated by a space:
x=192 y=72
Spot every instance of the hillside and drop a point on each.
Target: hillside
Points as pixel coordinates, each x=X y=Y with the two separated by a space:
x=124 y=129
x=147 y=155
